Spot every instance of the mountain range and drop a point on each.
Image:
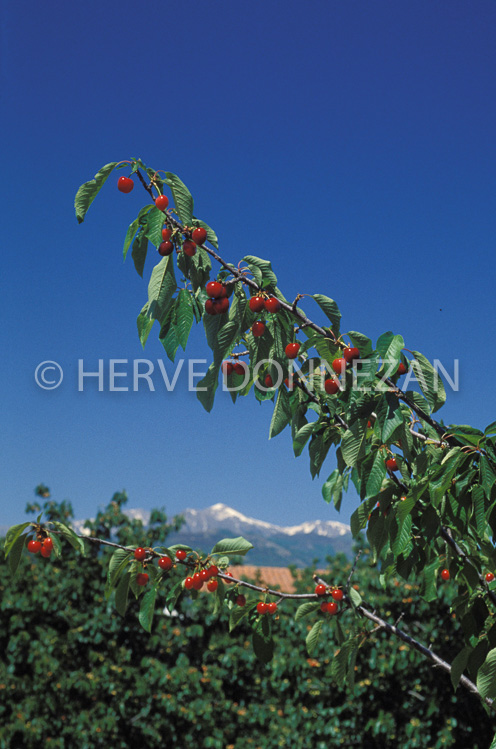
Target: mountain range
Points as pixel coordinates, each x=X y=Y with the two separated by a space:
x=274 y=545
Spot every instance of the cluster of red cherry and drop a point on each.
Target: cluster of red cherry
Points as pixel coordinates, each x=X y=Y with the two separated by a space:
x=329 y=607
x=44 y=547
x=218 y=301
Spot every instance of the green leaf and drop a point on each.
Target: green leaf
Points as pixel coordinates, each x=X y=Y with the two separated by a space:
x=88 y=192
x=373 y=473
x=205 y=390
x=183 y=317
x=479 y=509
x=161 y=287
x=330 y=309
x=301 y=438
x=154 y=225
x=282 y=415
x=145 y=324
x=355 y=597
x=377 y=534
x=237 y=545
x=486 y=676
x=264 y=268
x=239 y=612
x=403 y=536
x=118 y=561
x=332 y=490
x=305 y=609
x=183 y=199
x=173 y=595
x=132 y=229
x=263 y=647
x=16 y=552
x=429 y=380
x=459 y=665
x=140 y=247
x=121 y=593
x=389 y=415
x=390 y=347
x=147 y=608
x=353 y=442
x=70 y=536
x=12 y=535
x=487 y=475
x=359 y=517
x=339 y=665
x=429 y=588
x=312 y=638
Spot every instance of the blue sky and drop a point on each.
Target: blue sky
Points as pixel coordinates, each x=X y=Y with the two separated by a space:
x=350 y=143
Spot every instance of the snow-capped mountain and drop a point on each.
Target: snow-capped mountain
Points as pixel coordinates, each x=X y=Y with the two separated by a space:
x=274 y=545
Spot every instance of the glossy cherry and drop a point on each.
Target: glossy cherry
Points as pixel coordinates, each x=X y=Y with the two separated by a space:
x=332 y=607
x=139 y=554
x=445 y=574
x=239 y=368
x=258 y=328
x=272 y=304
x=391 y=464
x=320 y=590
x=256 y=304
x=268 y=382
x=165 y=563
x=402 y=369
x=489 y=577
x=181 y=555
x=212 y=585
x=45 y=552
x=351 y=353
x=210 y=307
x=272 y=607
x=241 y=600
x=188 y=583
x=142 y=578
x=189 y=248
x=262 y=607
x=197 y=581
x=227 y=368
x=291 y=350
x=34 y=546
x=221 y=305
x=48 y=544
x=214 y=289
x=162 y=202
x=165 y=248
x=166 y=233
x=331 y=386
x=125 y=184
x=337 y=594
x=213 y=570
x=199 y=235
x=339 y=365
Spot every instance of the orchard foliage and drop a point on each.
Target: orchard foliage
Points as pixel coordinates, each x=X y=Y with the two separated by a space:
x=68 y=668
x=427 y=490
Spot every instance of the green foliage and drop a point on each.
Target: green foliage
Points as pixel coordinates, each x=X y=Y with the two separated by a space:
x=70 y=666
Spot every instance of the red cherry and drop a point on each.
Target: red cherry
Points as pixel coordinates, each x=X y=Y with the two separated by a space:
x=258 y=328
x=369 y=424
x=45 y=552
x=268 y=381
x=331 y=386
x=241 y=600
x=332 y=607
x=402 y=369
x=165 y=248
x=289 y=385
x=323 y=607
x=48 y=544
x=272 y=607
x=166 y=233
x=339 y=365
x=351 y=353
x=272 y=304
x=445 y=574
x=189 y=248
x=239 y=368
x=125 y=184
x=320 y=590
x=210 y=307
x=34 y=546
x=337 y=594
x=227 y=368
x=221 y=305
x=204 y=575
x=181 y=555
x=291 y=350
x=256 y=304
x=165 y=563
x=188 y=583
x=489 y=577
x=391 y=464
x=212 y=585
x=197 y=581
x=262 y=607
x=229 y=574
x=199 y=235
x=162 y=202
x=214 y=289
x=139 y=554
x=213 y=570
x=141 y=578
